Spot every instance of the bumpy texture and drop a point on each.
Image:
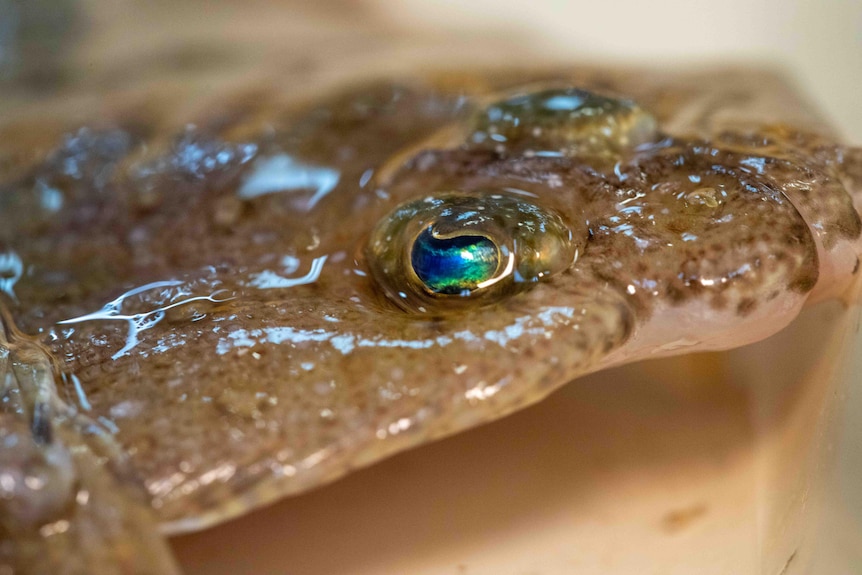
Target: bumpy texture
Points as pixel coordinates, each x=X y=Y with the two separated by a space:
x=207 y=299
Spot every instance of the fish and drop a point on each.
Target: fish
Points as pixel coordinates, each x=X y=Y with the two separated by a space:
x=210 y=307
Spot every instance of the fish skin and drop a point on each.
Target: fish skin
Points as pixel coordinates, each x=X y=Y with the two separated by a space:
x=242 y=351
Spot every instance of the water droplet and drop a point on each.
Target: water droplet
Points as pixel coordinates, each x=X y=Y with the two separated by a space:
x=190 y=159
x=245 y=404
x=196 y=154
x=90 y=154
x=708 y=197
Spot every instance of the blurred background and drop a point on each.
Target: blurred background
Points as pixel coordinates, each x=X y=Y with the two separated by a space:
x=818 y=42
x=49 y=44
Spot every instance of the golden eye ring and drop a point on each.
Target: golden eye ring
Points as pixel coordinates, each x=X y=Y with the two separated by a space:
x=451 y=250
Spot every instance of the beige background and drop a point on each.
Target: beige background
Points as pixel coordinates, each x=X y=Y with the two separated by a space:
x=818 y=42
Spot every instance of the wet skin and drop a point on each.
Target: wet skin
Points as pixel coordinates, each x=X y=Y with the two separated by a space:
x=204 y=318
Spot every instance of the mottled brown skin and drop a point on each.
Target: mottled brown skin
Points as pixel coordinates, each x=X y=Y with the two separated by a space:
x=226 y=403
x=634 y=215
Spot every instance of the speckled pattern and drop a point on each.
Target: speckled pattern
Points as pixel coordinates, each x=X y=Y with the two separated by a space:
x=207 y=285
x=732 y=233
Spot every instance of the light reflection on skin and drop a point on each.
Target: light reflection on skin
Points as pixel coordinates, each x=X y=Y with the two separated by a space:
x=270 y=280
x=282 y=173
x=347 y=342
x=11 y=269
x=140 y=321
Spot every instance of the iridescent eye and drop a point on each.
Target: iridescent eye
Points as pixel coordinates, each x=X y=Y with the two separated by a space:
x=454 y=265
x=567 y=121
x=453 y=249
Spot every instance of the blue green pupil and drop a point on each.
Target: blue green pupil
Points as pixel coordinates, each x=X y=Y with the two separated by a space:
x=453 y=265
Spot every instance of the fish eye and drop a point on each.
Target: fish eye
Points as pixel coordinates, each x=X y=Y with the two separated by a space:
x=454 y=265
x=564 y=121
x=453 y=250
